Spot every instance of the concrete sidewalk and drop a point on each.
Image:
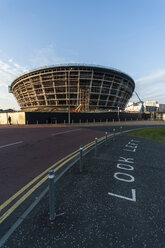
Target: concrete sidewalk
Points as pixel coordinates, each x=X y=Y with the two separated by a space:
x=117 y=201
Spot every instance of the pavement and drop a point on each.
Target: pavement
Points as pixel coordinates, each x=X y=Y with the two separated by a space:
x=117 y=201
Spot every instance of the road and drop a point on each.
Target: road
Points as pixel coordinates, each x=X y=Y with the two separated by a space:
x=117 y=201
x=26 y=152
x=26 y=155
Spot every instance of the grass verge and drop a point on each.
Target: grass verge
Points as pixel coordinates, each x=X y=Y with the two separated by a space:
x=153 y=133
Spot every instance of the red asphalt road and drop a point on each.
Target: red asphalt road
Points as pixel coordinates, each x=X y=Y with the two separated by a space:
x=40 y=148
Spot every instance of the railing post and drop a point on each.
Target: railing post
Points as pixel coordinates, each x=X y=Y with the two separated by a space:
x=106 y=137
x=81 y=158
x=52 y=214
x=114 y=134
x=96 y=139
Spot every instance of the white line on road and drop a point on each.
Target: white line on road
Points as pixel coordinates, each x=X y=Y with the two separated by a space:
x=53 y=134
x=12 y=144
x=124 y=197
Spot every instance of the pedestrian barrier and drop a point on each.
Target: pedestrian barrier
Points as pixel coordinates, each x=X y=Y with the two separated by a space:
x=81 y=158
x=80 y=154
x=114 y=134
x=52 y=213
x=96 y=140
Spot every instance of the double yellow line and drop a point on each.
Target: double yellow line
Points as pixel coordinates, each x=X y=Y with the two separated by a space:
x=55 y=166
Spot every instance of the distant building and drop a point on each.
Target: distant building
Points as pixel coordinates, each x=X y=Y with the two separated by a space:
x=149 y=106
x=7 y=110
x=133 y=107
x=161 y=108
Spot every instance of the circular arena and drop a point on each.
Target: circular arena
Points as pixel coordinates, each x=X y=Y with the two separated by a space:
x=73 y=86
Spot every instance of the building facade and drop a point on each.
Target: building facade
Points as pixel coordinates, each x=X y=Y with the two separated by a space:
x=148 y=106
x=58 y=88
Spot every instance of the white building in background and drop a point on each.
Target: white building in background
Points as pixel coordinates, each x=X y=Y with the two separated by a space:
x=133 y=107
x=149 y=106
x=161 y=107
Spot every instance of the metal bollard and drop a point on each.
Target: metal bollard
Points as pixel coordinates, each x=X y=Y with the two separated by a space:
x=106 y=137
x=52 y=214
x=121 y=130
x=96 y=139
x=114 y=134
x=81 y=158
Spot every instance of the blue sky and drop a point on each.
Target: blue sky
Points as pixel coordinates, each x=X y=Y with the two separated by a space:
x=128 y=35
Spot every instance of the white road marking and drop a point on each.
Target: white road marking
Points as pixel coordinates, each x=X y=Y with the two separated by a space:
x=125 y=166
x=132 y=179
x=124 y=197
x=126 y=160
x=12 y=144
x=54 y=134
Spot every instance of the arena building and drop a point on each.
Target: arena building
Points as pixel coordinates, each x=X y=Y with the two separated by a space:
x=58 y=88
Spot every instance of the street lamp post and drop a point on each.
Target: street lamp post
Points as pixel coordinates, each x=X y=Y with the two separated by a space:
x=69 y=95
x=69 y=114
x=118 y=114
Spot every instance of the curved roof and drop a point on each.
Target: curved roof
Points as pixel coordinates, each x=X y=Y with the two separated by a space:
x=75 y=65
